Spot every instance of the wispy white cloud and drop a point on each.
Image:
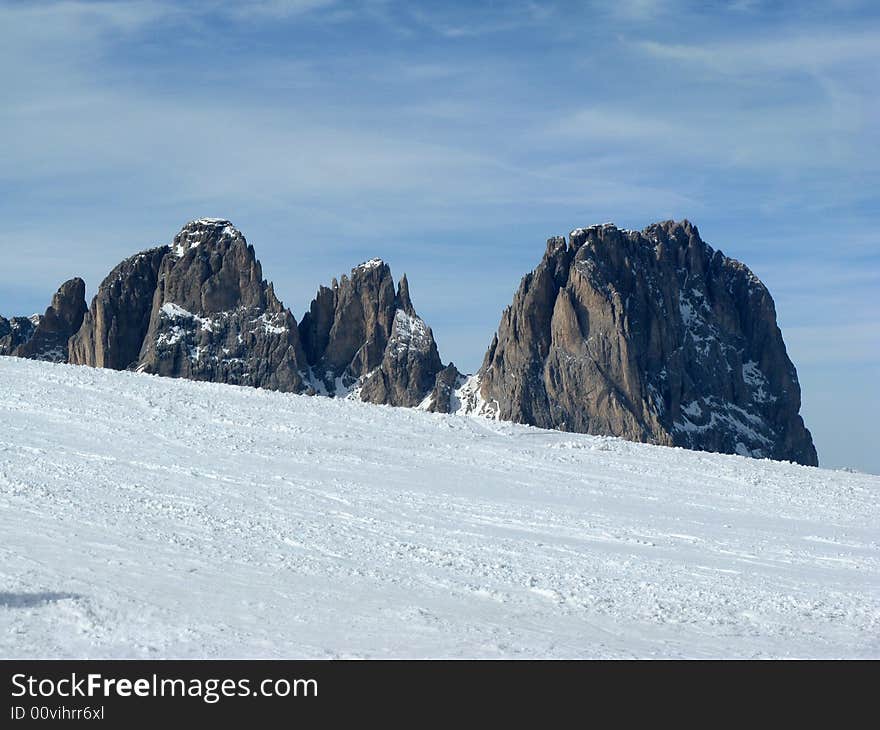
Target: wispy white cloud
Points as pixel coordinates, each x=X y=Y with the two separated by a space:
x=614 y=123
x=641 y=11
x=72 y=18
x=798 y=53
x=259 y=10
x=758 y=136
x=449 y=22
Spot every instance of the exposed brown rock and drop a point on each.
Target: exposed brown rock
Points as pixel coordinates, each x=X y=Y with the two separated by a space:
x=15 y=332
x=652 y=336
x=361 y=335
x=44 y=337
x=113 y=330
x=442 y=398
x=62 y=319
x=213 y=317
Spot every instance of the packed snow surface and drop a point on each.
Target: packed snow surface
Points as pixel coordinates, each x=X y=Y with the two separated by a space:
x=148 y=517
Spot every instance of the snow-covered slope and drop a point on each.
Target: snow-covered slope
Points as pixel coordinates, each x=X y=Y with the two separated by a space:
x=142 y=516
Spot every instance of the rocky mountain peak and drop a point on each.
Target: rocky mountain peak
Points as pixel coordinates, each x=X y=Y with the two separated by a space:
x=361 y=335
x=375 y=264
x=653 y=336
x=214 y=317
x=198 y=309
x=201 y=231
x=44 y=337
x=346 y=329
x=211 y=268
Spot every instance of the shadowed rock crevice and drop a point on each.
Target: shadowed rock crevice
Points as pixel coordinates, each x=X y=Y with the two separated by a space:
x=33 y=600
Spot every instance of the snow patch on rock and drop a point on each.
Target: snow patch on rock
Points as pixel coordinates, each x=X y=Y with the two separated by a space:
x=467 y=400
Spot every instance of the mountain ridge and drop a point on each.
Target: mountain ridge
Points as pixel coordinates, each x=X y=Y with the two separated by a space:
x=651 y=335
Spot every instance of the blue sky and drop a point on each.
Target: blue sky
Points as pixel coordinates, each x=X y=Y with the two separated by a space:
x=452 y=139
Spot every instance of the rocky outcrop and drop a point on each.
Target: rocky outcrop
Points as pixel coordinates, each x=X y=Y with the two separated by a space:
x=213 y=317
x=61 y=320
x=362 y=337
x=652 y=336
x=196 y=309
x=200 y=309
x=44 y=337
x=443 y=397
x=15 y=332
x=114 y=328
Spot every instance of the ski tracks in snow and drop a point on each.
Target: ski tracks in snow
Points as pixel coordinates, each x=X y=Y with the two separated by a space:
x=151 y=517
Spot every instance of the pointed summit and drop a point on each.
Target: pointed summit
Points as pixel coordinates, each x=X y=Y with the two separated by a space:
x=403 y=300
x=44 y=337
x=363 y=337
x=201 y=231
x=197 y=309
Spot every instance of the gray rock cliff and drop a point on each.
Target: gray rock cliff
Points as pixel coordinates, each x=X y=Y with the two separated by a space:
x=649 y=335
x=196 y=309
x=44 y=337
x=16 y=331
x=214 y=318
x=113 y=330
x=652 y=336
x=361 y=335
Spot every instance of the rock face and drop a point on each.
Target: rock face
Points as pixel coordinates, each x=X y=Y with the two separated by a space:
x=361 y=337
x=114 y=328
x=214 y=318
x=652 y=336
x=200 y=309
x=444 y=398
x=15 y=332
x=197 y=309
x=44 y=337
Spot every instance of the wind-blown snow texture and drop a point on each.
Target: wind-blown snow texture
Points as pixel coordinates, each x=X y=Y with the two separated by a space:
x=143 y=516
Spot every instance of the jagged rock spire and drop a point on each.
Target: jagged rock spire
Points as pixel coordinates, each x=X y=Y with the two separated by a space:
x=403 y=300
x=362 y=335
x=44 y=337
